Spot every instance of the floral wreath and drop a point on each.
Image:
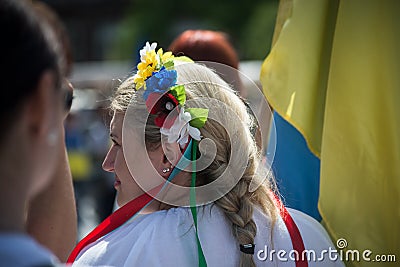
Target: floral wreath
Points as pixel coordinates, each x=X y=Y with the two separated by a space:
x=157 y=76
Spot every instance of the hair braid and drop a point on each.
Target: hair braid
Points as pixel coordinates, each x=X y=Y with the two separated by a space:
x=238 y=209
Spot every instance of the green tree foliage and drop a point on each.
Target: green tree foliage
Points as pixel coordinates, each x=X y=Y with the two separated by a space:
x=250 y=24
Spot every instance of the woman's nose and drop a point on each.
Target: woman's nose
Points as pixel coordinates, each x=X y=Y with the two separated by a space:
x=108 y=163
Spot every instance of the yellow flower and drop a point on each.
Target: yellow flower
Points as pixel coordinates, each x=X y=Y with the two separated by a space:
x=151 y=58
x=151 y=62
x=146 y=73
x=139 y=81
x=164 y=57
x=146 y=68
x=141 y=76
x=146 y=49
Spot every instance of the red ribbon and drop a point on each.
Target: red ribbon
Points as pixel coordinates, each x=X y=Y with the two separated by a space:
x=123 y=214
x=116 y=219
x=294 y=232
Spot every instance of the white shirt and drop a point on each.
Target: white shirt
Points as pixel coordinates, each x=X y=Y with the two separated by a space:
x=167 y=238
x=20 y=250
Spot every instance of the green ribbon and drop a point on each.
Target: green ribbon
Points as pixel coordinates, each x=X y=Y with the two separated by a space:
x=193 y=208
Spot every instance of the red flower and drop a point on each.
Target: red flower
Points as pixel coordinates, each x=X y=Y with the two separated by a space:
x=162 y=104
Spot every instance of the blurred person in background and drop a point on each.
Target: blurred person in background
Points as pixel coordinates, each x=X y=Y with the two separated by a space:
x=210 y=46
x=36 y=188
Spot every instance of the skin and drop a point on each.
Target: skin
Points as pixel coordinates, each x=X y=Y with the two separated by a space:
x=51 y=215
x=49 y=224
x=55 y=226
x=115 y=162
x=29 y=156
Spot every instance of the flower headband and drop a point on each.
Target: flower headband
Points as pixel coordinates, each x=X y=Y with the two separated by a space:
x=157 y=76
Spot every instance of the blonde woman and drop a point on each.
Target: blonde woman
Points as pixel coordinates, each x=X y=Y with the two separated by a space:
x=183 y=158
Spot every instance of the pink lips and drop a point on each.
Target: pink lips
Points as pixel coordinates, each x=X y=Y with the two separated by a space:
x=117 y=182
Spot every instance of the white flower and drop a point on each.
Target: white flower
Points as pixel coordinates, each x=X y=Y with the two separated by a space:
x=181 y=129
x=145 y=49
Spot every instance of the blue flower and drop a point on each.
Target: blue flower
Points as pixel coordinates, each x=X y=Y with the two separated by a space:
x=160 y=82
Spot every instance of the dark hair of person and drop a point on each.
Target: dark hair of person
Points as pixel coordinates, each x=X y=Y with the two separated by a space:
x=28 y=48
x=49 y=15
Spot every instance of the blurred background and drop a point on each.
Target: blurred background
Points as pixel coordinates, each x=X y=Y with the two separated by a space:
x=105 y=37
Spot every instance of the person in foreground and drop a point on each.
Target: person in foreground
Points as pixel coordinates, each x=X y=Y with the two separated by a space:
x=183 y=157
x=35 y=182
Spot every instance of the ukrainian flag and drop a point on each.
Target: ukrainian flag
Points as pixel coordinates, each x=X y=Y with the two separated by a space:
x=334 y=74
x=295 y=167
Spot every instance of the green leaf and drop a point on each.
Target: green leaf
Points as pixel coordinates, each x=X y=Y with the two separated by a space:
x=199 y=116
x=169 y=65
x=178 y=91
x=183 y=59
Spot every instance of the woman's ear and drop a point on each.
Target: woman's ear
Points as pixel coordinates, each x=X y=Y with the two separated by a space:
x=172 y=153
x=164 y=157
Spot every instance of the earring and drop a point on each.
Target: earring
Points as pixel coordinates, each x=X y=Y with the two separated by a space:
x=165 y=170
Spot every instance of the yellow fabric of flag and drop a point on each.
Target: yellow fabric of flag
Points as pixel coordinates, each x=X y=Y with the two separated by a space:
x=334 y=74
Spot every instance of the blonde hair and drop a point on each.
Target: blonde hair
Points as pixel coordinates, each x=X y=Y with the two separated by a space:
x=238 y=204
